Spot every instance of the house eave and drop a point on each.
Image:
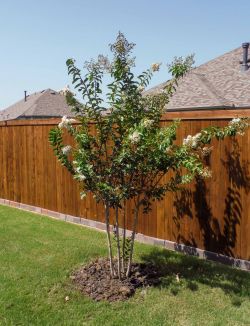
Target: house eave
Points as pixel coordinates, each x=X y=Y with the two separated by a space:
x=210 y=108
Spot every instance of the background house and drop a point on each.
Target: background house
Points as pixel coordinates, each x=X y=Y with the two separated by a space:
x=221 y=83
x=40 y=105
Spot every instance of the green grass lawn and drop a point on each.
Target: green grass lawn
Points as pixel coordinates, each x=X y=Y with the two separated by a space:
x=37 y=255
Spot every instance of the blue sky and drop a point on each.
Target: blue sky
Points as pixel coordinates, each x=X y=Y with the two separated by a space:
x=38 y=36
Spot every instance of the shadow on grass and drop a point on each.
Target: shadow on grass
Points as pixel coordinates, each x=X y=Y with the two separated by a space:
x=180 y=271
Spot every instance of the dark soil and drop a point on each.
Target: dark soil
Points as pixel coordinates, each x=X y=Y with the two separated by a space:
x=94 y=280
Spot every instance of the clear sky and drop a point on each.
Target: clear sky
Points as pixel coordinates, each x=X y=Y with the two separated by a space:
x=37 y=36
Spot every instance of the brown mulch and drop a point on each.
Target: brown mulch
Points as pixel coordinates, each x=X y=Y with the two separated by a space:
x=94 y=280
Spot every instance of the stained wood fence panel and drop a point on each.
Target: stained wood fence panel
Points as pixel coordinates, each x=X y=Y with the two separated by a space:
x=212 y=214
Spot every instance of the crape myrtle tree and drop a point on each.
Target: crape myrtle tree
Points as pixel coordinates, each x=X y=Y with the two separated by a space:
x=129 y=153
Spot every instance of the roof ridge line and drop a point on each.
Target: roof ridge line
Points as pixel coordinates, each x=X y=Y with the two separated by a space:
x=205 y=83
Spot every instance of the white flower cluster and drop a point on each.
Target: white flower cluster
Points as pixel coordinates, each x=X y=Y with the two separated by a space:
x=192 y=141
x=148 y=123
x=168 y=150
x=206 y=151
x=239 y=124
x=77 y=169
x=65 y=90
x=141 y=88
x=155 y=67
x=81 y=177
x=205 y=173
x=65 y=122
x=235 y=121
x=187 y=178
x=104 y=63
x=66 y=149
x=135 y=137
x=83 y=194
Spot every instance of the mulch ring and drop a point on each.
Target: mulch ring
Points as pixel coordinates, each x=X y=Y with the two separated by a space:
x=94 y=280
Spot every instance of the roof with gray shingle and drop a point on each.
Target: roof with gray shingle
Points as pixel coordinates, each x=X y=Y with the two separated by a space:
x=217 y=83
x=44 y=104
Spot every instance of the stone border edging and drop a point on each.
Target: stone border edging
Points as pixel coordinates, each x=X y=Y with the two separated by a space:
x=170 y=245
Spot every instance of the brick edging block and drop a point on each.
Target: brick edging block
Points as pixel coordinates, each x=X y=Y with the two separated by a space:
x=170 y=245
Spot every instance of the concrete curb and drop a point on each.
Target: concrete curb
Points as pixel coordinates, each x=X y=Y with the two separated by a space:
x=170 y=245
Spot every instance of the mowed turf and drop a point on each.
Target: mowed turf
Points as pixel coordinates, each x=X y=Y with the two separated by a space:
x=37 y=255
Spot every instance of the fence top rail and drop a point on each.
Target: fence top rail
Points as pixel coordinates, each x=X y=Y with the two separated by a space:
x=211 y=114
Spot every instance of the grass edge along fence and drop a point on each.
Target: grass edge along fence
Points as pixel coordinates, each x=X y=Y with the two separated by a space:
x=213 y=215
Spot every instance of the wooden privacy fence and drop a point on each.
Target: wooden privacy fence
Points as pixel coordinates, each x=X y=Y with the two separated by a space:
x=213 y=215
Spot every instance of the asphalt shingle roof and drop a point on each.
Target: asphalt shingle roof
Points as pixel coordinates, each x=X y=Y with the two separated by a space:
x=217 y=83
x=44 y=104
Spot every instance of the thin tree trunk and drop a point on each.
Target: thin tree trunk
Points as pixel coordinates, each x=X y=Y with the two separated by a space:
x=136 y=214
x=124 y=238
x=107 y=212
x=118 y=243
